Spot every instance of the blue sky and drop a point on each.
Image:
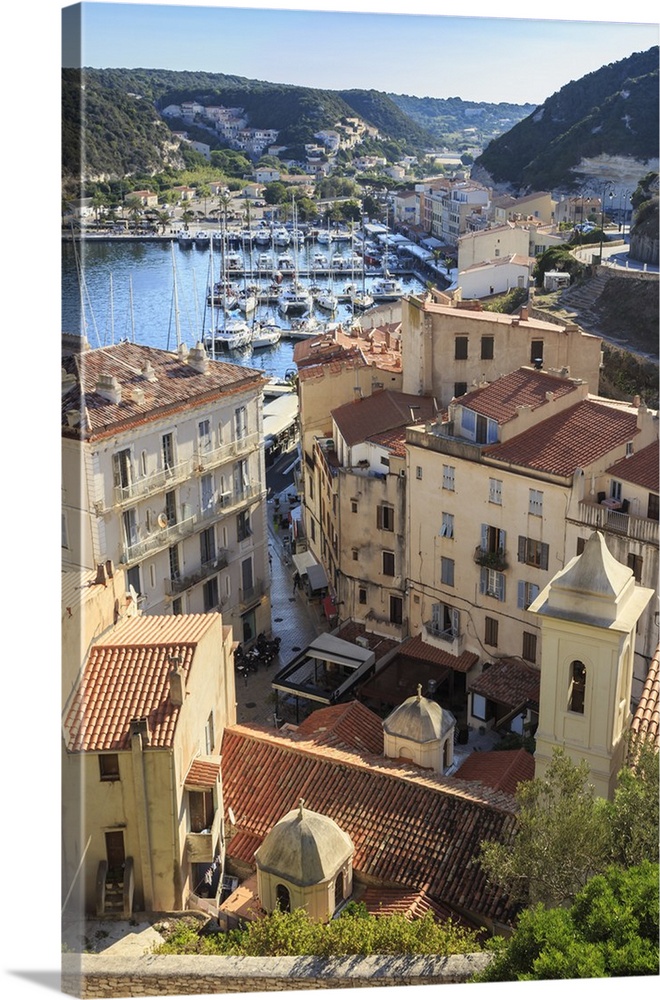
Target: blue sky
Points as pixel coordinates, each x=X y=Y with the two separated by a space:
x=511 y=58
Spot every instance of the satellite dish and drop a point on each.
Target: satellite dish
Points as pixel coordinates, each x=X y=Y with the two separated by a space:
x=162 y=520
x=232 y=818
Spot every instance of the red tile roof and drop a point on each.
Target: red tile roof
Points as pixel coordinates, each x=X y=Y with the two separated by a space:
x=202 y=774
x=502 y=769
x=409 y=828
x=378 y=644
x=641 y=468
x=417 y=649
x=126 y=677
x=382 y=411
x=410 y=904
x=509 y=682
x=351 y=725
x=176 y=386
x=646 y=719
x=568 y=440
x=525 y=387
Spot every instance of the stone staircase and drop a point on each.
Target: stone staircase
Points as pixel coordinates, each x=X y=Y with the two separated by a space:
x=114 y=892
x=578 y=300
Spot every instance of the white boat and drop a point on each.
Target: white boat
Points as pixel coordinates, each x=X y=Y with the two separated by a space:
x=233 y=260
x=360 y=299
x=265 y=262
x=284 y=262
x=301 y=329
x=326 y=299
x=281 y=237
x=387 y=288
x=223 y=295
x=184 y=238
x=230 y=335
x=324 y=238
x=262 y=237
x=320 y=262
x=265 y=335
x=202 y=238
x=296 y=300
x=247 y=301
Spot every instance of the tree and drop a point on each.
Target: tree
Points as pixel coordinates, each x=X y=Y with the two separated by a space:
x=204 y=192
x=611 y=929
x=632 y=816
x=275 y=193
x=561 y=841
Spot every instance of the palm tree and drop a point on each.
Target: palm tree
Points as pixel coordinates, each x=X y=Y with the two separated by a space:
x=187 y=217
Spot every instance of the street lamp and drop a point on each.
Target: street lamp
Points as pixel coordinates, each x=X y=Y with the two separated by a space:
x=602 y=219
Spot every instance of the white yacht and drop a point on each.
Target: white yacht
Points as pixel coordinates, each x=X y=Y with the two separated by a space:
x=387 y=288
x=228 y=336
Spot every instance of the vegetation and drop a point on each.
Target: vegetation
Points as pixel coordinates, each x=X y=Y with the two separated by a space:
x=557 y=258
x=611 y=929
x=452 y=121
x=354 y=932
x=508 y=303
x=613 y=110
x=566 y=833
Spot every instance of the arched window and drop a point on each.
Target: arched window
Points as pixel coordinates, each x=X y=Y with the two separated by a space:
x=578 y=680
x=339 y=889
x=283 y=898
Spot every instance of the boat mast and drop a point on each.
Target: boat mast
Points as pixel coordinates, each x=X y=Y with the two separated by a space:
x=177 y=326
x=130 y=299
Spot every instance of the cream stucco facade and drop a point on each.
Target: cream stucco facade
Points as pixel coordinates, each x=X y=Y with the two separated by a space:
x=137 y=808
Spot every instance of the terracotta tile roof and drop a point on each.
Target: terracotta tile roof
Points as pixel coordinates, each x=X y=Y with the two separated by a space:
x=409 y=828
x=502 y=769
x=351 y=725
x=242 y=846
x=410 y=904
x=202 y=774
x=509 y=682
x=176 y=386
x=417 y=649
x=568 y=440
x=641 y=468
x=646 y=719
x=126 y=677
x=378 y=644
x=382 y=411
x=500 y=399
x=394 y=441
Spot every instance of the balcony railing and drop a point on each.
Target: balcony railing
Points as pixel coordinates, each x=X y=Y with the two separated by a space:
x=445 y=639
x=162 y=537
x=493 y=560
x=155 y=482
x=250 y=594
x=204 y=460
x=178 y=584
x=594 y=515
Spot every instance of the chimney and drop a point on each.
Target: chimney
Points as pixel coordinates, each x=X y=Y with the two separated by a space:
x=108 y=388
x=140 y=728
x=636 y=401
x=183 y=352
x=524 y=314
x=73 y=418
x=197 y=358
x=137 y=394
x=176 y=681
x=357 y=393
x=148 y=372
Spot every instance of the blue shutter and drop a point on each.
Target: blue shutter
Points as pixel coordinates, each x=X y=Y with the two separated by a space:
x=483 y=580
x=455 y=622
x=502 y=540
x=521 y=594
x=522 y=549
x=501 y=586
x=484 y=536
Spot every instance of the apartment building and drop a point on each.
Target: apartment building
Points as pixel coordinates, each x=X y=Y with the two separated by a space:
x=451 y=209
x=142 y=811
x=496 y=277
x=492 y=244
x=163 y=476
x=448 y=348
x=491 y=484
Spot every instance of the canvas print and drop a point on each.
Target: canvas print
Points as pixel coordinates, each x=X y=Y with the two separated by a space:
x=359 y=442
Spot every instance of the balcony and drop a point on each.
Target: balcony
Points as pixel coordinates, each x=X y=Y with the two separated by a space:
x=145 y=486
x=384 y=626
x=249 y=595
x=179 y=584
x=641 y=529
x=162 y=537
x=445 y=639
x=492 y=560
x=200 y=847
x=205 y=460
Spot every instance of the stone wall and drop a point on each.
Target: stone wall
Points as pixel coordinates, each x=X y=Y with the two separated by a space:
x=190 y=975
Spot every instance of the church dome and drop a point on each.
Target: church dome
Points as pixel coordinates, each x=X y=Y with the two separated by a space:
x=419 y=720
x=304 y=847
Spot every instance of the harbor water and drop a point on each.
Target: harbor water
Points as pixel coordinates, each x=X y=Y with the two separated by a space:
x=155 y=292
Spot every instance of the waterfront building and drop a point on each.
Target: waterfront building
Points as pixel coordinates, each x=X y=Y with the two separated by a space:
x=164 y=476
x=142 y=810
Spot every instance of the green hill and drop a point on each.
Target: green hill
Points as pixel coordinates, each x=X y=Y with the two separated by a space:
x=612 y=111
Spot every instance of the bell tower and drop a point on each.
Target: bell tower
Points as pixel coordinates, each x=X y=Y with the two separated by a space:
x=589 y=612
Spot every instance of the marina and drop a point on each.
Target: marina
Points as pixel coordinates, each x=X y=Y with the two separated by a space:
x=159 y=292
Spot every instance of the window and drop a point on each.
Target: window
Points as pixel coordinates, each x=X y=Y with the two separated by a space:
x=536 y=502
x=207 y=492
x=362 y=595
x=481 y=707
x=652 y=510
x=170 y=507
x=447 y=571
x=388 y=564
x=529 y=647
x=460 y=348
x=143 y=463
x=209 y=734
x=243 y=529
x=536 y=352
x=121 y=469
x=448 y=477
x=445 y=620
x=630 y=450
x=354 y=507
x=635 y=563
x=204 y=435
x=492 y=625
x=133 y=579
x=396 y=610
x=615 y=489
x=283 y=898
x=418 y=475
x=384 y=461
x=240 y=422
x=109 y=766
x=201 y=809
x=532 y=552
x=492 y=583
x=354 y=553
x=447 y=526
x=495 y=491
x=175 y=568
x=581 y=542
x=211 y=594
x=65 y=532
x=527 y=593
x=460 y=388
x=207 y=546
x=385 y=517
x=152 y=576
x=168 y=452
x=487 y=348
x=578 y=682
x=177 y=606
x=493 y=542
x=129 y=518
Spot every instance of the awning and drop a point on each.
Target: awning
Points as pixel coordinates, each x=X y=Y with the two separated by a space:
x=302 y=560
x=317 y=577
